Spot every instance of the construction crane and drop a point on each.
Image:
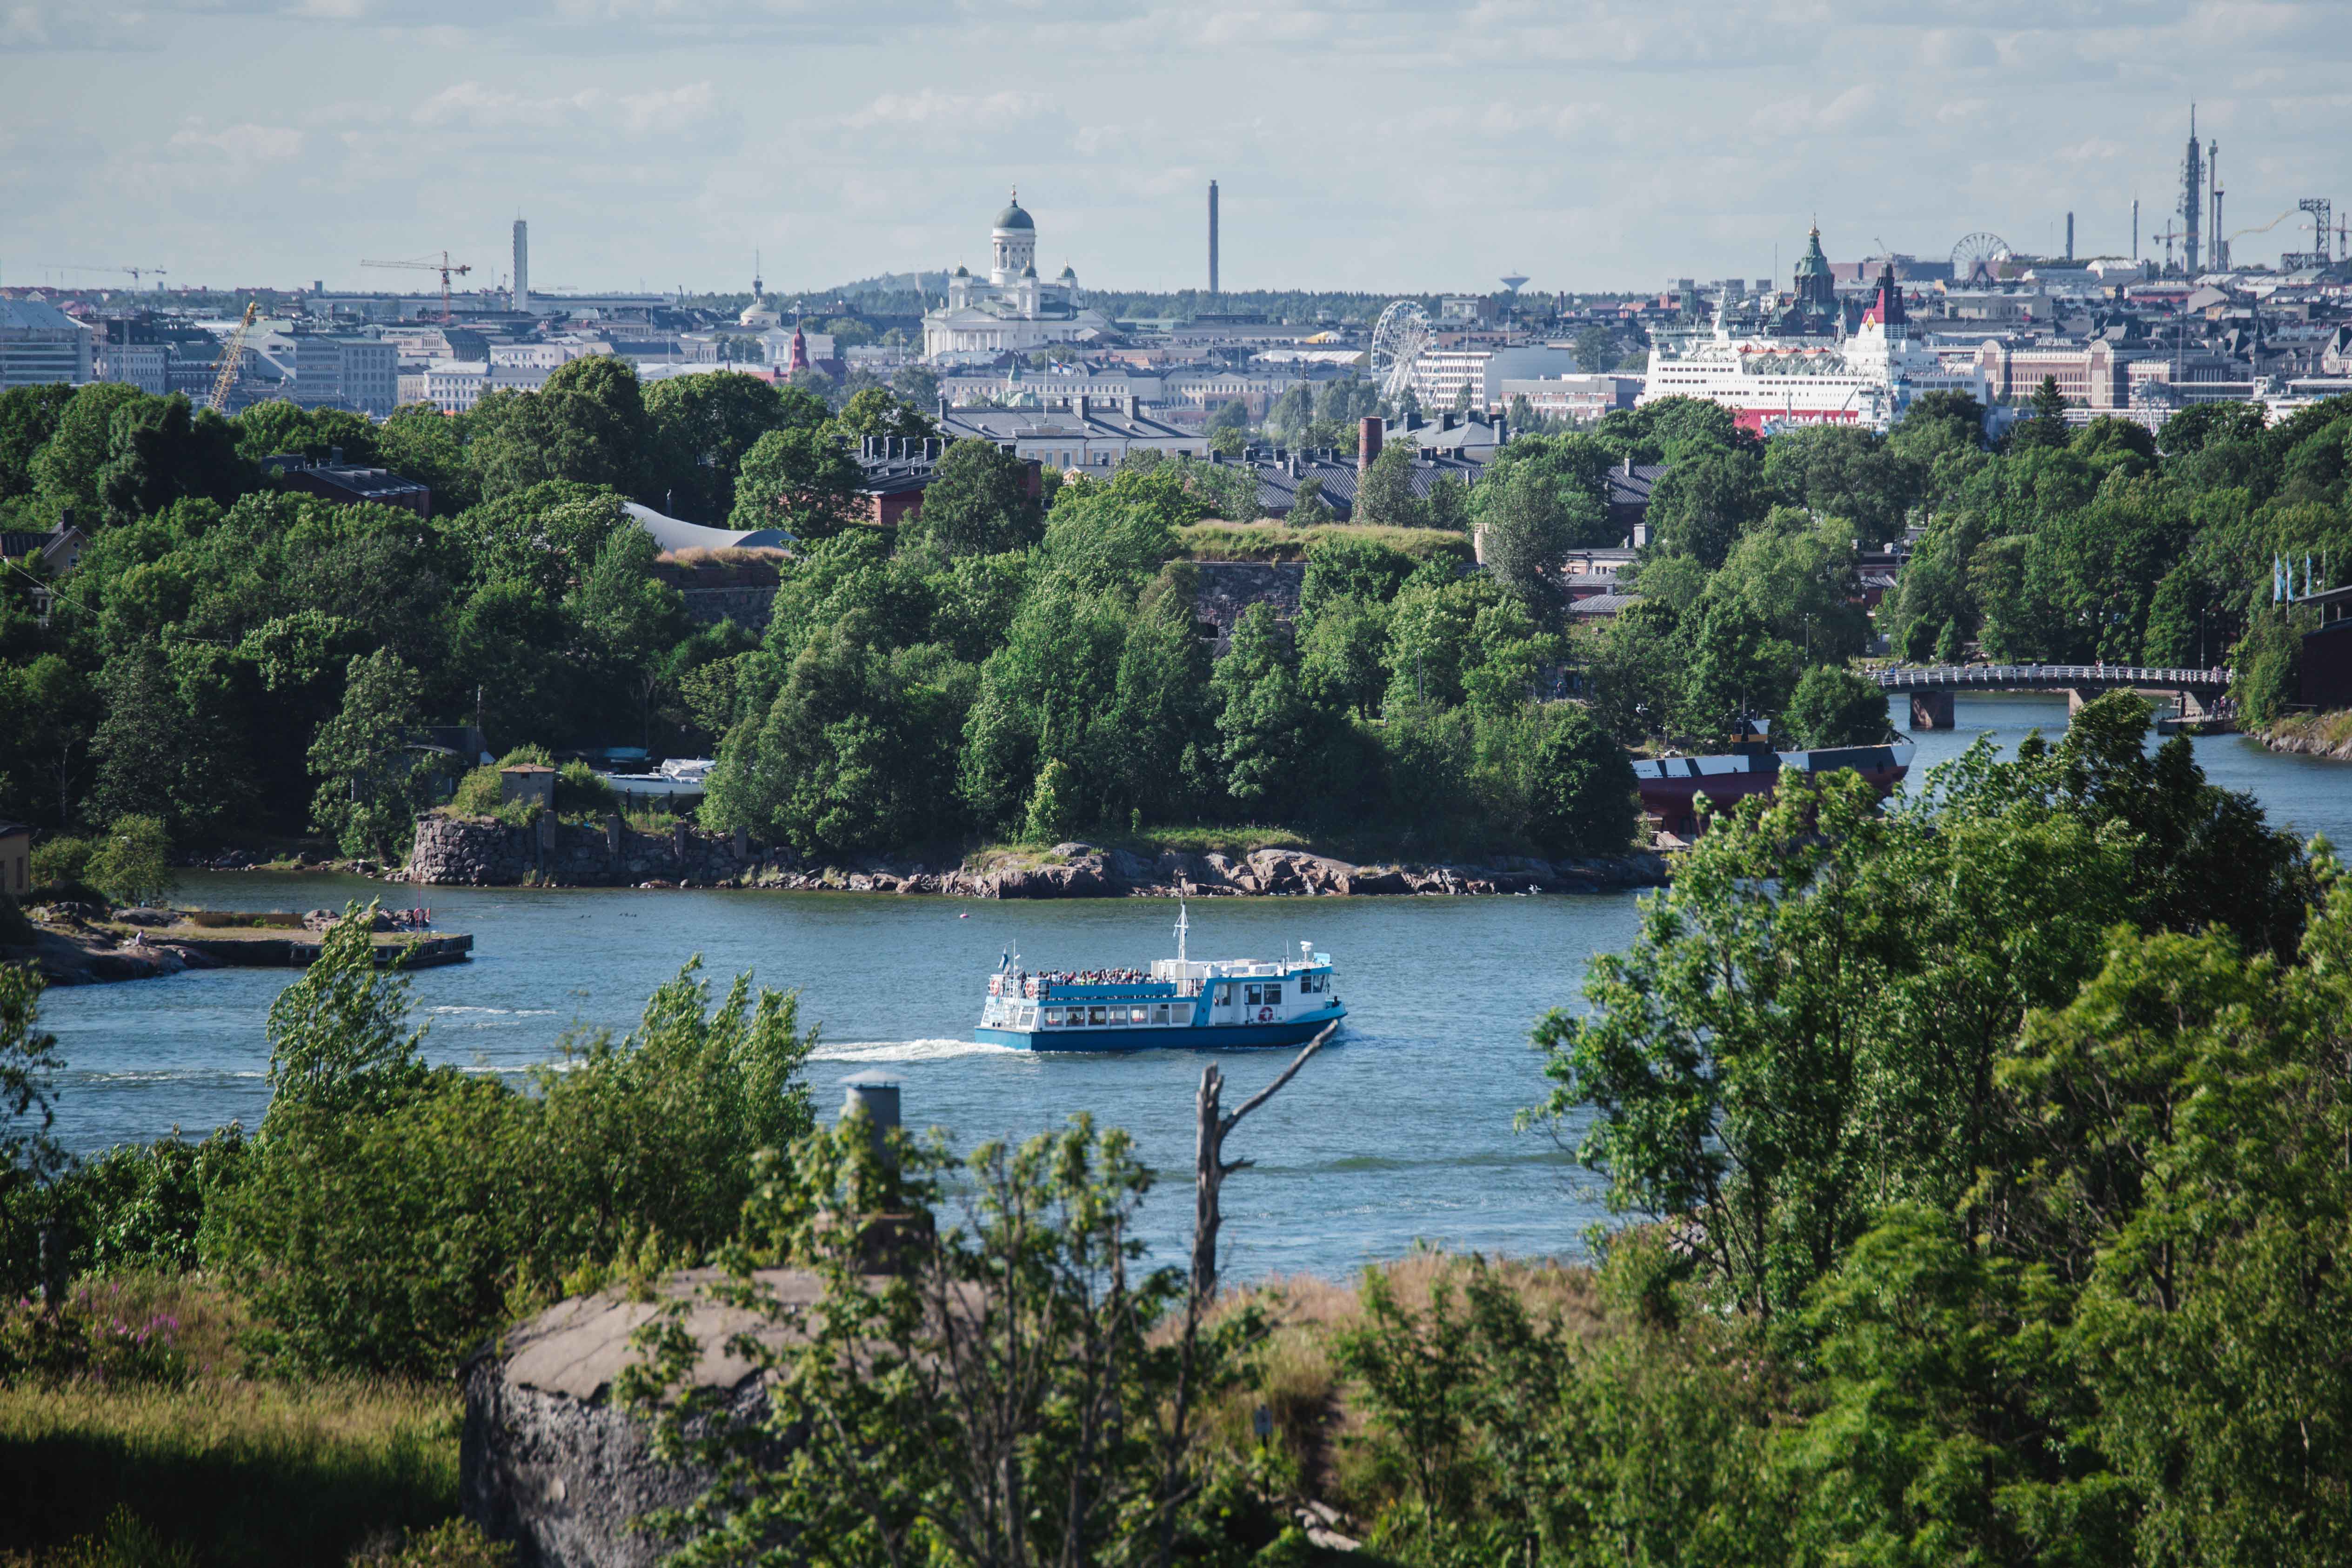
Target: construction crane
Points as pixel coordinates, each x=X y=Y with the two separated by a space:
x=427 y=263
x=231 y=359
x=137 y=273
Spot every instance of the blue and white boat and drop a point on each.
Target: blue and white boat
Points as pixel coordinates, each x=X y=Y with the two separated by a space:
x=1179 y=1002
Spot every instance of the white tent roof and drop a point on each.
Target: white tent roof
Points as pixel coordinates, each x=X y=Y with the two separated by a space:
x=677 y=534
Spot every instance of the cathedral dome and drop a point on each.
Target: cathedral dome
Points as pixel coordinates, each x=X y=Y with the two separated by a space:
x=1012 y=217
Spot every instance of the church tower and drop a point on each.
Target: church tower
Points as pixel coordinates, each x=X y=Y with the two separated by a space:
x=1816 y=289
x=1013 y=245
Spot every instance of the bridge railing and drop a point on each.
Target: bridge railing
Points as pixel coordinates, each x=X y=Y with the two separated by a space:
x=2045 y=677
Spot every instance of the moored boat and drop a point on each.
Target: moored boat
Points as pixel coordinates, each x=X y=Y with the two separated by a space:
x=1177 y=1003
x=1671 y=785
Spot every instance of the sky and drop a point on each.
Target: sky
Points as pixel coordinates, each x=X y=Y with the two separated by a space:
x=1588 y=144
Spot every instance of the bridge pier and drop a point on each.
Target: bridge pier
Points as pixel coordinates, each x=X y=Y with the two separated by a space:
x=1931 y=710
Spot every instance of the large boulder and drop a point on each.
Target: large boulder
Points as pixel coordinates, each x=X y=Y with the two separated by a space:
x=550 y=1458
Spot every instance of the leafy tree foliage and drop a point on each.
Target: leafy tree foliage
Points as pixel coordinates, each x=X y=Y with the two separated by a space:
x=977 y=502
x=1833 y=707
x=390 y=1213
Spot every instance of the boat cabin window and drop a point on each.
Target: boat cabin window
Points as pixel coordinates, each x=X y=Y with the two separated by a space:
x=1097 y=1015
x=1159 y=1012
x=1181 y=1014
x=1252 y=996
x=1138 y=1014
x=1052 y=1017
x=1224 y=996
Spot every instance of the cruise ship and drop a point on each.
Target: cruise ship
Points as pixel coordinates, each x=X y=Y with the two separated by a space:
x=1179 y=1003
x=1866 y=378
x=1671 y=787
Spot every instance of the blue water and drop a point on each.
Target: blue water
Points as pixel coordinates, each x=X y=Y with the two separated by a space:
x=1400 y=1131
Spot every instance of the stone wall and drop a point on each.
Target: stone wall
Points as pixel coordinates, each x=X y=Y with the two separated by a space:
x=752 y=607
x=1226 y=588
x=480 y=851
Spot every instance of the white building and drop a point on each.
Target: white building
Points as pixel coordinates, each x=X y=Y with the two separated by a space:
x=1012 y=310
x=1440 y=374
x=40 y=344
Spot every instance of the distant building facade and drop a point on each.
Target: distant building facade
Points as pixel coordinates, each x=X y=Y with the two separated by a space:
x=40 y=345
x=361 y=374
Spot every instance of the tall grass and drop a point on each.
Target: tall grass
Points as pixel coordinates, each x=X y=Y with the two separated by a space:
x=1271 y=541
x=210 y=1466
x=233 y=1472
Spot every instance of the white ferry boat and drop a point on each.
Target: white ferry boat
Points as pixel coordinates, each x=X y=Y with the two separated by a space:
x=1867 y=379
x=1179 y=1002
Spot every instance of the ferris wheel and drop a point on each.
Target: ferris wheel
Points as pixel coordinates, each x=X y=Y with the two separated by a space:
x=1978 y=259
x=1398 y=338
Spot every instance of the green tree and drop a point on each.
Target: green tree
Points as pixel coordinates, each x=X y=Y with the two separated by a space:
x=29 y=1064
x=977 y=502
x=131 y=860
x=28 y=419
x=1275 y=740
x=48 y=710
x=587 y=424
x=800 y=480
x=1738 y=669
x=1350 y=566
x=1835 y=706
x=2045 y=425
x=370 y=785
x=418 y=441
x=698 y=429
x=1524 y=535
x=1701 y=504
x=1386 y=494
x=1584 y=801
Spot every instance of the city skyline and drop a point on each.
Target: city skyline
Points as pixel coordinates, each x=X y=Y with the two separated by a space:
x=1592 y=147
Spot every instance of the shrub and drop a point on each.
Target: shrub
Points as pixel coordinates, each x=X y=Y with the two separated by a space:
x=477 y=793
x=131 y=864
x=390 y=1215
x=63 y=861
x=580 y=787
x=16 y=931
x=141 y=1205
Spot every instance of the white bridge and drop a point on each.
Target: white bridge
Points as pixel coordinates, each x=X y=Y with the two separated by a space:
x=1932 y=687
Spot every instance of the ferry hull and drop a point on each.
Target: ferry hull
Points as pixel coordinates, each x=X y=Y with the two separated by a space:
x=1202 y=1037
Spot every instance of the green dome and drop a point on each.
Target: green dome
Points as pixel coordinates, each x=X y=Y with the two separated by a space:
x=1012 y=217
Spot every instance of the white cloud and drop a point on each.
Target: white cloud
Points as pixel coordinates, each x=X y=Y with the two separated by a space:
x=473 y=104
x=948 y=111
x=244 y=143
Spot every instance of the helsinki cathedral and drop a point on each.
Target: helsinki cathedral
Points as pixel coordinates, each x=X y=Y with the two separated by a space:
x=1012 y=310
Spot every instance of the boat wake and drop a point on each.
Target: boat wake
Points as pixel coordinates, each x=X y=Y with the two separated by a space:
x=905 y=1050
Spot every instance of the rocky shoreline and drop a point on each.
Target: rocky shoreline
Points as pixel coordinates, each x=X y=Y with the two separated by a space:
x=482 y=853
x=2303 y=736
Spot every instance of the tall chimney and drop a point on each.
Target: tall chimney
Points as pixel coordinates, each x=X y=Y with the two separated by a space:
x=2069 y=236
x=1368 y=442
x=1212 y=236
x=2135 y=228
x=522 y=294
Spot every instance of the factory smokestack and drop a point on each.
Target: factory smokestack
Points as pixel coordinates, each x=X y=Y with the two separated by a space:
x=2069 y=236
x=522 y=294
x=1212 y=236
x=2192 y=195
x=2135 y=228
